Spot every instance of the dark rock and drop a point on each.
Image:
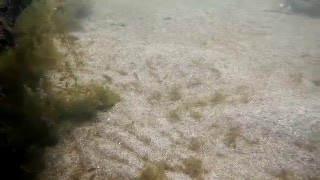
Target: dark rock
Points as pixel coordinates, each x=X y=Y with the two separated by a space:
x=316 y=83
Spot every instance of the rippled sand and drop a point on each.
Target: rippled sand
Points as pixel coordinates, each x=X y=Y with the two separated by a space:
x=213 y=89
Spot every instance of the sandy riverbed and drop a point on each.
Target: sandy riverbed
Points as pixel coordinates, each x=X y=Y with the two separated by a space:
x=232 y=87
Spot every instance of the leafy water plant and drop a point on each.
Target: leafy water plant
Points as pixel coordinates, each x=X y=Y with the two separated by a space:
x=232 y=136
x=218 y=98
x=194 y=168
x=82 y=101
x=174 y=115
x=31 y=105
x=195 y=145
x=154 y=171
x=175 y=93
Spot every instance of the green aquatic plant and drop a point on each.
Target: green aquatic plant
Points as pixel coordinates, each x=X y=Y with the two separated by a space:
x=175 y=93
x=193 y=167
x=196 y=145
x=174 y=115
x=154 y=171
x=219 y=98
x=232 y=136
x=32 y=104
x=81 y=102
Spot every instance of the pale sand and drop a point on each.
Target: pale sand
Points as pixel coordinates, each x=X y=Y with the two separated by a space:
x=164 y=55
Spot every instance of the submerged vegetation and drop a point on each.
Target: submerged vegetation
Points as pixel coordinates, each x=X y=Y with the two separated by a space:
x=191 y=166
x=194 y=168
x=80 y=102
x=154 y=171
x=31 y=104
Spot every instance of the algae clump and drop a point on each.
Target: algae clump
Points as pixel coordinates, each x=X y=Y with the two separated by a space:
x=155 y=171
x=32 y=106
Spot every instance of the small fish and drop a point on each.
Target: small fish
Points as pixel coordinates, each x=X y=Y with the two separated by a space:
x=107 y=78
x=91 y=169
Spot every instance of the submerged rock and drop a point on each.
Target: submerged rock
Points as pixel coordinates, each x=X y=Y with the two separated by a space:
x=307 y=7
